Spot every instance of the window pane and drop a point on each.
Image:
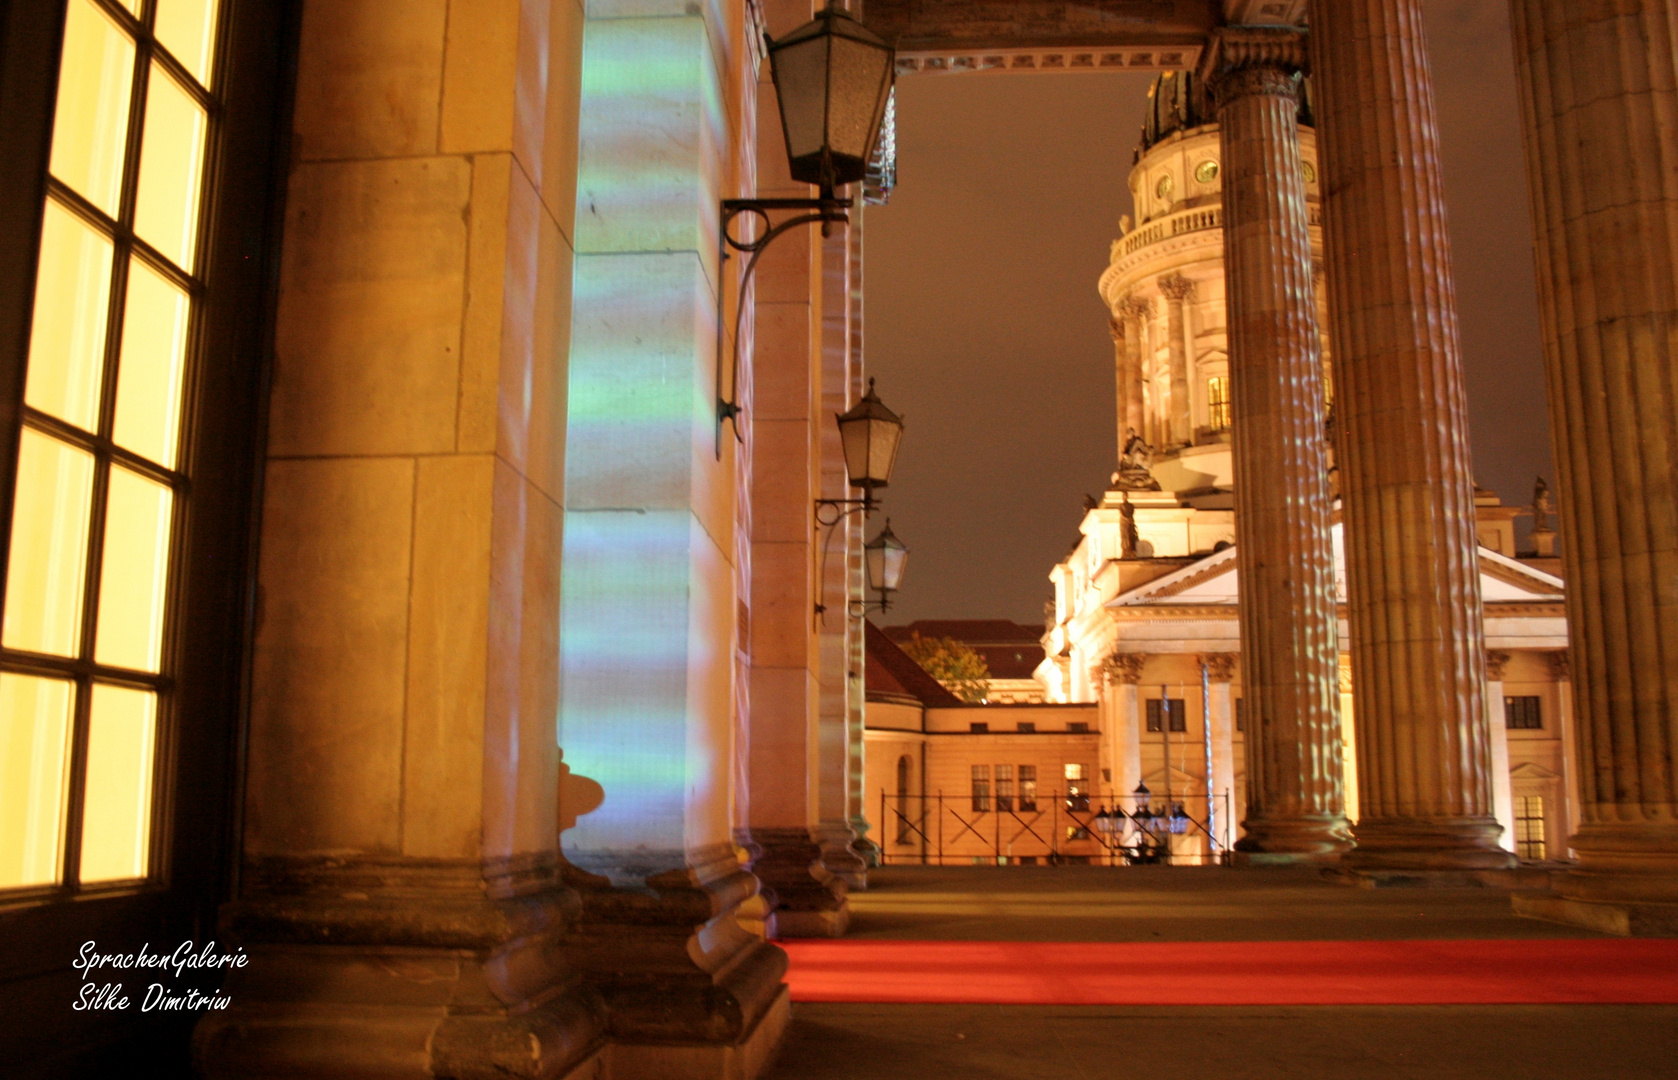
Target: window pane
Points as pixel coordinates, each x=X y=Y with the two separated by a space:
x=171 y=163
x=67 y=336
x=187 y=28
x=47 y=564
x=34 y=755
x=90 y=126
x=153 y=358
x=134 y=575
x=116 y=811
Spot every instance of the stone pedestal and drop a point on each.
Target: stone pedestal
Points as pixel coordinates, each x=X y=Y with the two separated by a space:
x=1599 y=87
x=1418 y=650
x=1295 y=806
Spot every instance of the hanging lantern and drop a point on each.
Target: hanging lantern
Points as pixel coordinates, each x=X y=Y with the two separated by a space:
x=832 y=78
x=886 y=557
x=870 y=433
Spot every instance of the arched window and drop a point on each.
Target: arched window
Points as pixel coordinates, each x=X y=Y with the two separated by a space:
x=904 y=765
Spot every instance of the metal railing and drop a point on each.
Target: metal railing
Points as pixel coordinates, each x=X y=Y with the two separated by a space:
x=1049 y=829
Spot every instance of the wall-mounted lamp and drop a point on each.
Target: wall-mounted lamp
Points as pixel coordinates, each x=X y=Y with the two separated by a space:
x=869 y=433
x=885 y=557
x=833 y=78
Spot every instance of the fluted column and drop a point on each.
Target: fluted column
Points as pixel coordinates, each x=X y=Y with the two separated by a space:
x=1503 y=792
x=1120 y=334
x=1133 y=313
x=1599 y=87
x=1124 y=671
x=1424 y=769
x=1295 y=805
x=1179 y=425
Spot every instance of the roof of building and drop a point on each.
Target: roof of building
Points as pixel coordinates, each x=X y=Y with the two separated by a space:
x=889 y=672
x=1011 y=650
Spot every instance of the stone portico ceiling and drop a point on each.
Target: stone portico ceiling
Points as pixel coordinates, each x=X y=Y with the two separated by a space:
x=1001 y=36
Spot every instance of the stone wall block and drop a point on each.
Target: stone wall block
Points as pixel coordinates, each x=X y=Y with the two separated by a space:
x=480 y=69
x=327 y=709
x=367 y=352
x=369 y=78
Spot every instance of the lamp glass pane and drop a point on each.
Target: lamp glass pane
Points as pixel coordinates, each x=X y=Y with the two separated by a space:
x=187 y=28
x=34 y=773
x=134 y=572
x=876 y=560
x=46 y=567
x=856 y=96
x=853 y=436
x=90 y=119
x=882 y=449
x=153 y=362
x=801 y=80
x=896 y=561
x=67 y=334
x=171 y=169
x=116 y=806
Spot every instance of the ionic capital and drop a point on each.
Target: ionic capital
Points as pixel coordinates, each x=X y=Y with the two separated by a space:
x=1220 y=666
x=1176 y=287
x=1497 y=662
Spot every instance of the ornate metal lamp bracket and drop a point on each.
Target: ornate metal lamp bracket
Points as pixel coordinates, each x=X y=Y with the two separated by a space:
x=826 y=210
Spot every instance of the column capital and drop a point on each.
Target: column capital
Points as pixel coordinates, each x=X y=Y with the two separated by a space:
x=1176 y=287
x=1560 y=667
x=1497 y=661
x=1243 y=60
x=1136 y=307
x=1124 y=667
x=1220 y=666
x=1115 y=330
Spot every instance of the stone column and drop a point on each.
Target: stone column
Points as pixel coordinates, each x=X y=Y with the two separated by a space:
x=1560 y=674
x=857 y=582
x=1178 y=427
x=1599 y=87
x=649 y=611
x=1221 y=669
x=1503 y=794
x=1418 y=649
x=833 y=825
x=1125 y=672
x=1120 y=334
x=1295 y=804
x=401 y=896
x=1134 y=312
x=789 y=418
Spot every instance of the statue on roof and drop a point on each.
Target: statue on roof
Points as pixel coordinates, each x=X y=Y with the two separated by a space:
x=1135 y=465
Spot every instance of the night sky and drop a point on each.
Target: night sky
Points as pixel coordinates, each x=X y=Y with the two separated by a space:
x=985 y=330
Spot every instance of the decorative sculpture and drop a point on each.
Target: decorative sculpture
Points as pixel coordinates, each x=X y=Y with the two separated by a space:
x=1136 y=465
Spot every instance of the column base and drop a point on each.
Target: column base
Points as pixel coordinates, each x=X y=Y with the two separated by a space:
x=742 y=1060
x=1292 y=841
x=841 y=856
x=1520 y=877
x=403 y=968
x=1419 y=844
x=806 y=899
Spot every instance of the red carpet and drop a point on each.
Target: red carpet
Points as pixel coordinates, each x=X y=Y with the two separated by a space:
x=1529 y=971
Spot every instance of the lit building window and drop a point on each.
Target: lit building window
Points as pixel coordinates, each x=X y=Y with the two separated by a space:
x=101 y=486
x=1217 y=403
x=1160 y=710
x=1523 y=713
x=981 y=788
x=1005 y=787
x=1077 y=787
x=1529 y=826
x=1028 y=787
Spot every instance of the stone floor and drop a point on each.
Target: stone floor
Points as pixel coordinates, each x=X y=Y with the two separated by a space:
x=935 y=1042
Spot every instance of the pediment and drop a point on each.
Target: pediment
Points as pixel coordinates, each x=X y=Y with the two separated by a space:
x=1529 y=770
x=1212 y=580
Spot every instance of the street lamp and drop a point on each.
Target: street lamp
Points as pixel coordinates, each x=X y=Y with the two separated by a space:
x=869 y=433
x=885 y=557
x=833 y=78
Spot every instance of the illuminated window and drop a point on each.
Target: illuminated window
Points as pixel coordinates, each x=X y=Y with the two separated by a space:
x=1173 y=709
x=1523 y=713
x=1529 y=826
x=1005 y=787
x=100 y=485
x=1077 y=787
x=1217 y=403
x=981 y=788
x=1028 y=787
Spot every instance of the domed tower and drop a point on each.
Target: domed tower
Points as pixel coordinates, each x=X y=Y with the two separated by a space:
x=1164 y=288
